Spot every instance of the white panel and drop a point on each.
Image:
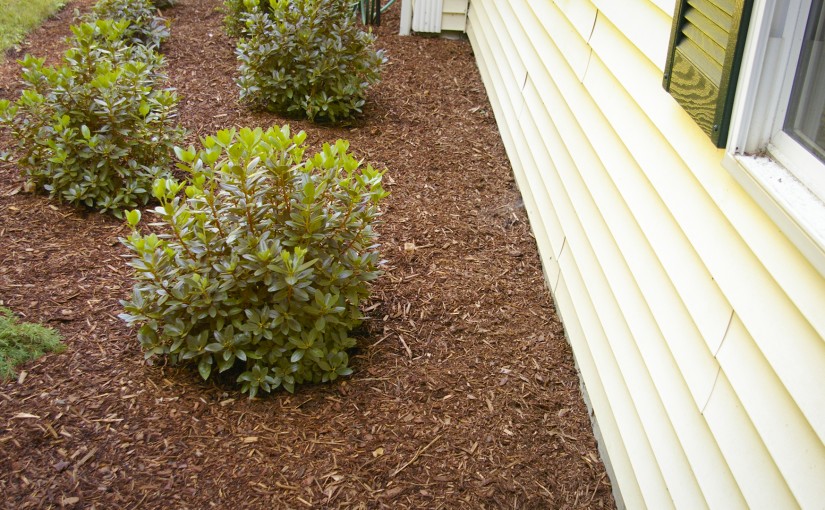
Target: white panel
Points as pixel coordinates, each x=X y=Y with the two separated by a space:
x=620 y=341
x=798 y=452
x=405 y=25
x=427 y=16
x=500 y=16
x=456 y=22
x=695 y=435
x=656 y=355
x=651 y=224
x=556 y=199
x=543 y=219
x=760 y=481
x=455 y=6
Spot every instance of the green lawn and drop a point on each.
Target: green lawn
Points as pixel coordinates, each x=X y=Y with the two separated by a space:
x=18 y=17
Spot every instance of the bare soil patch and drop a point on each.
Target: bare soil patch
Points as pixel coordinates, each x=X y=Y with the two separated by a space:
x=464 y=395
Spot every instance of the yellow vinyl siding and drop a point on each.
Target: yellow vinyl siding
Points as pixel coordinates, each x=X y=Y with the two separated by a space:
x=760 y=481
x=546 y=20
x=580 y=15
x=646 y=268
x=644 y=467
x=706 y=202
x=775 y=416
x=678 y=295
x=642 y=23
x=612 y=439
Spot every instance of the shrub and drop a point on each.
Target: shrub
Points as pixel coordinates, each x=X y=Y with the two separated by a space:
x=145 y=26
x=265 y=260
x=23 y=342
x=96 y=131
x=236 y=12
x=163 y=4
x=307 y=58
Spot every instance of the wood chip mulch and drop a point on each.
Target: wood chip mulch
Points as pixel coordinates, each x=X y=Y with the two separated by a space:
x=464 y=395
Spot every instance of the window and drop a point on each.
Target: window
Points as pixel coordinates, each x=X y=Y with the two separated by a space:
x=776 y=145
x=751 y=74
x=805 y=122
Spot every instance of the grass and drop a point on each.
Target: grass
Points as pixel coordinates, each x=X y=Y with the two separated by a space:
x=18 y=17
x=23 y=342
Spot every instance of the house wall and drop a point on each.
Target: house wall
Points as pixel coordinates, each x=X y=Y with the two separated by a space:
x=698 y=328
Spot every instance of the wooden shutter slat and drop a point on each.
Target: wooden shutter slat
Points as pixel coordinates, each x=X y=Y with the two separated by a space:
x=713 y=12
x=697 y=55
x=705 y=45
x=726 y=6
x=708 y=27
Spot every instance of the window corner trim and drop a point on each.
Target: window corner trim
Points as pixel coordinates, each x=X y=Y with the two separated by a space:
x=796 y=211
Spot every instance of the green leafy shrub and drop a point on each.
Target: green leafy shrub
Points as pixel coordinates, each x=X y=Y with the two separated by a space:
x=97 y=130
x=307 y=58
x=20 y=343
x=265 y=261
x=145 y=26
x=236 y=12
x=164 y=4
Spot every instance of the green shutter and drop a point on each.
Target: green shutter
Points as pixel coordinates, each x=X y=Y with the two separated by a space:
x=706 y=45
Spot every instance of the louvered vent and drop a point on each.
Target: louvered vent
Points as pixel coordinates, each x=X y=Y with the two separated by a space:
x=703 y=60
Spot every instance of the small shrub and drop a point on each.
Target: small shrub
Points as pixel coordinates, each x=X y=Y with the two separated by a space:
x=98 y=130
x=164 y=4
x=20 y=343
x=236 y=12
x=265 y=262
x=145 y=26
x=307 y=58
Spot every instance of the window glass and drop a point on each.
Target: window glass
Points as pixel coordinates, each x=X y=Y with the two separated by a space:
x=805 y=122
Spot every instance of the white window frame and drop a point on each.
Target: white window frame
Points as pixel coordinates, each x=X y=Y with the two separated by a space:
x=781 y=175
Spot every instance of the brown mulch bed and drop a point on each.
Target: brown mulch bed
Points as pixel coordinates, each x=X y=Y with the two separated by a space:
x=464 y=394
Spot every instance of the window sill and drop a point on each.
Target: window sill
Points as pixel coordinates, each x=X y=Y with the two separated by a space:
x=797 y=212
